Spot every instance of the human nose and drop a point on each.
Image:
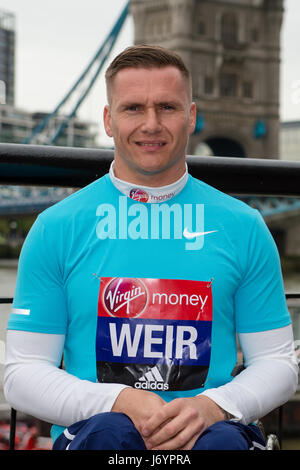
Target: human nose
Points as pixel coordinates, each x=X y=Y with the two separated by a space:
x=151 y=122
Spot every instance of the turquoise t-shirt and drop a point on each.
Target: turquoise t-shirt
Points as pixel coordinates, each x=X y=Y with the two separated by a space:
x=150 y=295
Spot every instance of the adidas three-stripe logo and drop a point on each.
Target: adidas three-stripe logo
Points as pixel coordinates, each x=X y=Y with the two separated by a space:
x=153 y=375
x=152 y=380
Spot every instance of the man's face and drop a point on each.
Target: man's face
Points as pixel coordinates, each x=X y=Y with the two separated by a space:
x=150 y=118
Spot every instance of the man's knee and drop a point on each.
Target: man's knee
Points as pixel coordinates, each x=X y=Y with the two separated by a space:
x=110 y=422
x=228 y=435
x=108 y=431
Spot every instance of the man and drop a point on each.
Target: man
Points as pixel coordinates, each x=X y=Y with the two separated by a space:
x=142 y=281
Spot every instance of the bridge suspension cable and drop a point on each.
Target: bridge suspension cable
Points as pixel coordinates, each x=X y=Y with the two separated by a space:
x=38 y=134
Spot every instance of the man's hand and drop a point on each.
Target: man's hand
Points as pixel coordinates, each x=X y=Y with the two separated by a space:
x=178 y=424
x=138 y=405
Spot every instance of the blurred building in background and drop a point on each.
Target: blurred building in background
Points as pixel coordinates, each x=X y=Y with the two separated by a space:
x=290 y=140
x=16 y=124
x=7 y=58
x=233 y=51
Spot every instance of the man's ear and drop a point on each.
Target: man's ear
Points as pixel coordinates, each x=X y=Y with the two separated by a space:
x=107 y=121
x=193 y=117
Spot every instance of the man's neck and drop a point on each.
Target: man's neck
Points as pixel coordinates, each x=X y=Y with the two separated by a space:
x=168 y=175
x=144 y=193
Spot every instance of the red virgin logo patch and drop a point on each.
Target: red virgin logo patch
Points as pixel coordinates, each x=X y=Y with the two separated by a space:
x=125 y=297
x=139 y=195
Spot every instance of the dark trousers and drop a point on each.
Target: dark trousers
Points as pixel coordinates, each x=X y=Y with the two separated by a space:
x=115 y=431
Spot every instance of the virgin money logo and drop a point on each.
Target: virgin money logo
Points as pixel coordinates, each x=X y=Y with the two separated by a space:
x=125 y=297
x=139 y=195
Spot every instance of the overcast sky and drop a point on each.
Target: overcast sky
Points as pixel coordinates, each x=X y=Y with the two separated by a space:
x=57 y=38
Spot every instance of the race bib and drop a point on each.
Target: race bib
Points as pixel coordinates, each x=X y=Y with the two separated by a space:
x=154 y=334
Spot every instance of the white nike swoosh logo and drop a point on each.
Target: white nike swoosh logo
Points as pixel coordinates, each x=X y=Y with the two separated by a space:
x=188 y=234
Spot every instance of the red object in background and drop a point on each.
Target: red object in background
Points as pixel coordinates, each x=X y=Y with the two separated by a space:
x=27 y=438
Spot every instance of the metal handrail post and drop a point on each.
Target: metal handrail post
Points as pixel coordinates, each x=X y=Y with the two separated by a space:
x=12 y=431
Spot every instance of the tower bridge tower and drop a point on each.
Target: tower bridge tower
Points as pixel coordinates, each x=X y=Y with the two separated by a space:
x=233 y=51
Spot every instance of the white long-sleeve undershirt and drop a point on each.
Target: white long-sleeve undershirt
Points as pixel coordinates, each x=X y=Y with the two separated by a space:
x=269 y=379
x=34 y=384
